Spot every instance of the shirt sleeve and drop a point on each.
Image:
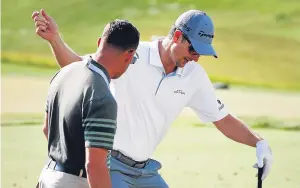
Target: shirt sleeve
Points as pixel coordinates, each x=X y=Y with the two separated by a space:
x=99 y=122
x=205 y=102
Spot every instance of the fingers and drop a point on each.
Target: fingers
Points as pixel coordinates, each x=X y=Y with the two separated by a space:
x=255 y=165
x=40 y=30
x=39 y=18
x=266 y=170
x=43 y=12
x=260 y=161
x=34 y=14
x=40 y=23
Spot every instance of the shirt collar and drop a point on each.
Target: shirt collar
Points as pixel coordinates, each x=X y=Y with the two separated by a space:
x=100 y=67
x=156 y=60
x=179 y=71
x=154 y=54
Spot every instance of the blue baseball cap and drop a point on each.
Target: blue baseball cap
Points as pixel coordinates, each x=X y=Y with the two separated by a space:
x=199 y=29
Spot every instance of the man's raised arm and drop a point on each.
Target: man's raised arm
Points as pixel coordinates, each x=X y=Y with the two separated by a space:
x=47 y=29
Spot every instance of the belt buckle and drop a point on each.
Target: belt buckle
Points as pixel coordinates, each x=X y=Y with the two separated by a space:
x=140 y=164
x=129 y=161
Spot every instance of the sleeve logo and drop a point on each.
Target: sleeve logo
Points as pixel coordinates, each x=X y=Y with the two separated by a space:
x=220 y=103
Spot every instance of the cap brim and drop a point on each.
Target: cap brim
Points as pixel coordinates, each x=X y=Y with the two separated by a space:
x=203 y=48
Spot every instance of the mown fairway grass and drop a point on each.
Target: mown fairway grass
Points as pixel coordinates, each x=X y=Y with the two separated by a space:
x=258 y=42
x=192 y=157
x=24 y=91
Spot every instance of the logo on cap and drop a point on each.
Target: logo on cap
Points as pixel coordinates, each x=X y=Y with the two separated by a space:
x=202 y=34
x=185 y=27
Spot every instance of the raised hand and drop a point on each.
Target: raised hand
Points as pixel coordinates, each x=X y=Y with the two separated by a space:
x=45 y=25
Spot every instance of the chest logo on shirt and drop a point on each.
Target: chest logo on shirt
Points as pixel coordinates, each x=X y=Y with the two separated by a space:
x=179 y=92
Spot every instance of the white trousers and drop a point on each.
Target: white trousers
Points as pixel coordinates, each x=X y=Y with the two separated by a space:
x=54 y=179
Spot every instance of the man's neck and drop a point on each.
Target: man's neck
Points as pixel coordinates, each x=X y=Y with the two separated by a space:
x=105 y=62
x=164 y=53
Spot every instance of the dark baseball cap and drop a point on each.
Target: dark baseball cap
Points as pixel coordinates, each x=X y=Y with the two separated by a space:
x=199 y=28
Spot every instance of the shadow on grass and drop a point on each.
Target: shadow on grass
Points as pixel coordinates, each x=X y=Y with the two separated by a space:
x=24 y=119
x=21 y=119
x=265 y=123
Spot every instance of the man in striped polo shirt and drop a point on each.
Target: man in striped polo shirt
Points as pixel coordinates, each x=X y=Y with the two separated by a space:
x=81 y=112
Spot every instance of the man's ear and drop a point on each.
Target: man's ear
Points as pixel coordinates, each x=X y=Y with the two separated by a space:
x=98 y=42
x=177 y=36
x=128 y=55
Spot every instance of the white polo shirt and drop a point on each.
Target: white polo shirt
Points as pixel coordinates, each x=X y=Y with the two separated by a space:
x=149 y=101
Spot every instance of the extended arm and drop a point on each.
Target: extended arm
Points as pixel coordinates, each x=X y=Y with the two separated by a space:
x=236 y=130
x=63 y=54
x=210 y=109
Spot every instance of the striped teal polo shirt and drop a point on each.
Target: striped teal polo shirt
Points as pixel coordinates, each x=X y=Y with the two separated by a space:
x=81 y=112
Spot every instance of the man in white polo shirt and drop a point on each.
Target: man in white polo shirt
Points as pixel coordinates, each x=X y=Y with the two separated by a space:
x=153 y=92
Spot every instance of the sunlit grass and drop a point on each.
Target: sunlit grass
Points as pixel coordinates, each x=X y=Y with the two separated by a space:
x=258 y=42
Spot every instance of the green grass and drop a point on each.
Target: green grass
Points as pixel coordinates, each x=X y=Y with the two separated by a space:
x=257 y=41
x=10 y=69
x=202 y=157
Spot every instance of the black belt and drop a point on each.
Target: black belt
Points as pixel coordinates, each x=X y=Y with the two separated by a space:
x=59 y=167
x=127 y=160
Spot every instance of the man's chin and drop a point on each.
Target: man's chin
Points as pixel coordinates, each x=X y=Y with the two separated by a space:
x=181 y=65
x=115 y=77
